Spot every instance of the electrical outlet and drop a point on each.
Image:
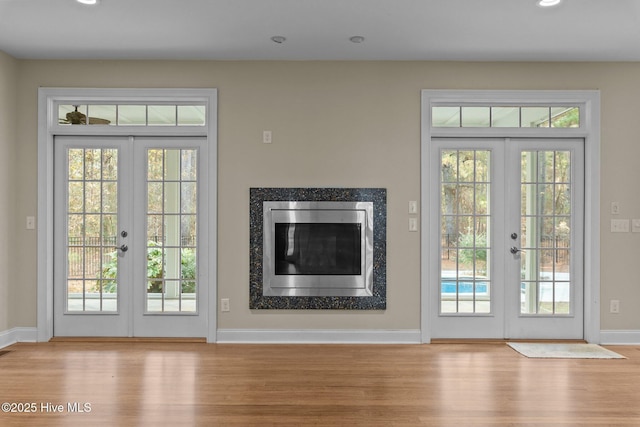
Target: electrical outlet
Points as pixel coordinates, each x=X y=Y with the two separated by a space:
x=31 y=223
x=224 y=304
x=614 y=306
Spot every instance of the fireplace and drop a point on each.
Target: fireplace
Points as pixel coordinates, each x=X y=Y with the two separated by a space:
x=318 y=248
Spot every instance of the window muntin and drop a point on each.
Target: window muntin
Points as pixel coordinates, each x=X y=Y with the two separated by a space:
x=132 y=114
x=171 y=211
x=465 y=208
x=486 y=116
x=91 y=215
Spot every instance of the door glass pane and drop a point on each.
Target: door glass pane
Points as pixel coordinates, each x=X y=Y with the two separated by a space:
x=465 y=234
x=92 y=208
x=476 y=117
x=171 y=231
x=192 y=115
x=565 y=117
x=546 y=233
x=535 y=117
x=102 y=114
x=161 y=115
x=445 y=117
x=132 y=115
x=72 y=114
x=507 y=117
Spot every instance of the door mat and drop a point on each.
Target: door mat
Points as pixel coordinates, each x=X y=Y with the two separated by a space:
x=564 y=351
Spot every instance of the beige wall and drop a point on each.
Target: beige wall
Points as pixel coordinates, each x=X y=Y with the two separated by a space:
x=344 y=124
x=8 y=127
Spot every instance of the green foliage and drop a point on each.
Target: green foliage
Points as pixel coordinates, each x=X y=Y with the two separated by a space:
x=568 y=119
x=473 y=248
x=188 y=261
x=154 y=267
x=155 y=271
x=110 y=271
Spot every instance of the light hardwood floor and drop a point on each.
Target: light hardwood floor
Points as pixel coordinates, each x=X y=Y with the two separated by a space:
x=182 y=384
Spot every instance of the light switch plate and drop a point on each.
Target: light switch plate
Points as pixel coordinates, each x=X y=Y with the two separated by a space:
x=635 y=225
x=619 y=225
x=615 y=208
x=266 y=137
x=413 y=206
x=614 y=306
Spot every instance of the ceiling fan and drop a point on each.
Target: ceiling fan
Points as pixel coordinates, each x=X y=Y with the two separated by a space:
x=78 y=118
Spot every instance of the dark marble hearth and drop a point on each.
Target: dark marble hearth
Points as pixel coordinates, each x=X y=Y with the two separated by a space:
x=377 y=301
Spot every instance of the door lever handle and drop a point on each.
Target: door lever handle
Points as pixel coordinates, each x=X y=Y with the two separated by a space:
x=515 y=250
x=123 y=248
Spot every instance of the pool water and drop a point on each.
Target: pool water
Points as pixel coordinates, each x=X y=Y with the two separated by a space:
x=448 y=286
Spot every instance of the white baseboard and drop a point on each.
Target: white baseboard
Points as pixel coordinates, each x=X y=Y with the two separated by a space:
x=15 y=335
x=315 y=336
x=620 y=337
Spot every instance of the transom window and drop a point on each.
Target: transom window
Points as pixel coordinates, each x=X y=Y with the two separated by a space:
x=132 y=115
x=457 y=116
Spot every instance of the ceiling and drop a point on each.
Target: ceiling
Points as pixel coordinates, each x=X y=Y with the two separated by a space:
x=472 y=30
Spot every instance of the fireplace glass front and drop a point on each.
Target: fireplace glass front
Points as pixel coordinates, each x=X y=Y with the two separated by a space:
x=317 y=248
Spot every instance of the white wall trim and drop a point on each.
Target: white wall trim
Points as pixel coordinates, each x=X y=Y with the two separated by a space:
x=15 y=335
x=620 y=337
x=303 y=336
x=590 y=100
x=48 y=128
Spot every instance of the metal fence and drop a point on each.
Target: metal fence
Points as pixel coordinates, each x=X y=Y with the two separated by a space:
x=88 y=255
x=558 y=245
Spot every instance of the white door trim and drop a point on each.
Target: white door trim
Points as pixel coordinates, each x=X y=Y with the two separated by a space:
x=48 y=128
x=589 y=101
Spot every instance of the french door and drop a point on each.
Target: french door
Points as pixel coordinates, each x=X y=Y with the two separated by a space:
x=510 y=247
x=128 y=254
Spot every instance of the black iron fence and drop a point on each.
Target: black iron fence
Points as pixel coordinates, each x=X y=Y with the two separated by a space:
x=87 y=256
x=554 y=248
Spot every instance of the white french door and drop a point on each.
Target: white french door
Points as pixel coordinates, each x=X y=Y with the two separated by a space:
x=546 y=239
x=510 y=247
x=128 y=254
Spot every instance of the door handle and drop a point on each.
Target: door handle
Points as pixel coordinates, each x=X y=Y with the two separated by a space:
x=123 y=248
x=515 y=250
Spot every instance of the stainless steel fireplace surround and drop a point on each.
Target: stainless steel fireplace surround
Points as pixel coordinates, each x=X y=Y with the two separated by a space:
x=317 y=248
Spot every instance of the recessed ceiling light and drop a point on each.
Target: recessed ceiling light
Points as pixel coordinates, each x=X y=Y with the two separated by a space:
x=87 y=1
x=548 y=3
x=356 y=39
x=278 y=39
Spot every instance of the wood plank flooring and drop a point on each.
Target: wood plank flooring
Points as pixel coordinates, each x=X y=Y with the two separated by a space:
x=183 y=384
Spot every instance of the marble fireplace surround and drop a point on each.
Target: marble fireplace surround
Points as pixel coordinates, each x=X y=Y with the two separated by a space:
x=375 y=302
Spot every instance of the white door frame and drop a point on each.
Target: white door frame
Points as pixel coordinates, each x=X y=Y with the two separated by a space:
x=49 y=128
x=589 y=130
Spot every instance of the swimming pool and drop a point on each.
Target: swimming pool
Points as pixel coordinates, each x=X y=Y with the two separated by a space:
x=464 y=286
